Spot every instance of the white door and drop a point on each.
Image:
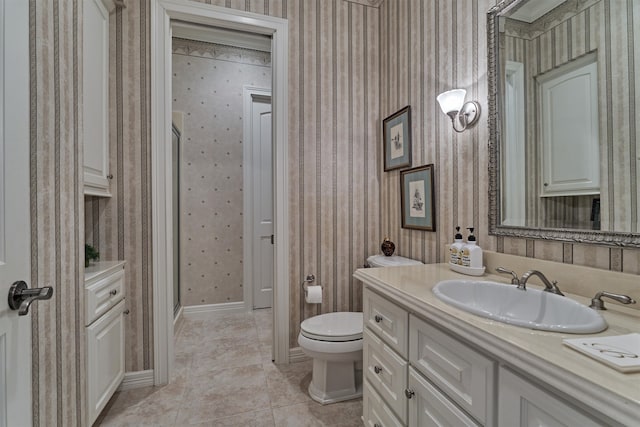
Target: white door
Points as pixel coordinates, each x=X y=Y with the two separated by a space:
x=15 y=331
x=262 y=201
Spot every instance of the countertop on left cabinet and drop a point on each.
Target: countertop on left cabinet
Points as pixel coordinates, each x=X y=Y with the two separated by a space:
x=104 y=321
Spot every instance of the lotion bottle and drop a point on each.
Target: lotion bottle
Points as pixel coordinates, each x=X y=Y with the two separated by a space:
x=455 y=256
x=471 y=252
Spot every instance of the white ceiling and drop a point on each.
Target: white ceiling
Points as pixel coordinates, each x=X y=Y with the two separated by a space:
x=534 y=9
x=208 y=34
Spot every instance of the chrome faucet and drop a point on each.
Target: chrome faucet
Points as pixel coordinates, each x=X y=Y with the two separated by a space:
x=548 y=286
x=514 y=277
x=598 y=304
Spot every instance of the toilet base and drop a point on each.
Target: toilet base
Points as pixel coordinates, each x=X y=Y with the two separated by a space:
x=333 y=382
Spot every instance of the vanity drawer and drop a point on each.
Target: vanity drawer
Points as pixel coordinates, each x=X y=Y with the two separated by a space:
x=461 y=372
x=103 y=294
x=387 y=320
x=376 y=413
x=428 y=407
x=386 y=371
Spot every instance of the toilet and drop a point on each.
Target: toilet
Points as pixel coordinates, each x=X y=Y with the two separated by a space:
x=334 y=342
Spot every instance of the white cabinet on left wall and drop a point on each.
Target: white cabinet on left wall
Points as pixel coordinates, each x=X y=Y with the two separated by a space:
x=104 y=321
x=95 y=98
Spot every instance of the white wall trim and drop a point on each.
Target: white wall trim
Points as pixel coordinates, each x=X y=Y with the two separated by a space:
x=178 y=321
x=136 y=379
x=296 y=355
x=227 y=307
x=248 y=93
x=162 y=12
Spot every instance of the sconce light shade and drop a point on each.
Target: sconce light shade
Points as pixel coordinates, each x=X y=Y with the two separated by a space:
x=462 y=114
x=451 y=100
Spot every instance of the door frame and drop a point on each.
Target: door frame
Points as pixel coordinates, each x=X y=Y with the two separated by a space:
x=162 y=12
x=249 y=93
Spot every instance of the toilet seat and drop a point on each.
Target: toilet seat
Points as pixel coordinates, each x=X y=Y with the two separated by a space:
x=333 y=327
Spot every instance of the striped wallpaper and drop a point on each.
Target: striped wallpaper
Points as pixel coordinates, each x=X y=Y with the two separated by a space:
x=607 y=28
x=351 y=64
x=58 y=381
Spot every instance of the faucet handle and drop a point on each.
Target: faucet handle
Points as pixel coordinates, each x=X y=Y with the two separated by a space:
x=598 y=304
x=514 y=277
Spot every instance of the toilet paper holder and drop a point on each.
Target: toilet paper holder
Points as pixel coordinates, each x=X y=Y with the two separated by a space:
x=309 y=279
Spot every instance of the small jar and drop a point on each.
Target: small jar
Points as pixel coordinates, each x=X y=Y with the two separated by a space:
x=387 y=247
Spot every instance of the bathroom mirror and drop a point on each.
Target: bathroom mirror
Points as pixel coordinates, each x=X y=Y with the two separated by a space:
x=564 y=138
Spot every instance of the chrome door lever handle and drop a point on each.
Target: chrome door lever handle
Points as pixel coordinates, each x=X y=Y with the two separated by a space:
x=21 y=297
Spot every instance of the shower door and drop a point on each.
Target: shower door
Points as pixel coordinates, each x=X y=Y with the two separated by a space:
x=175 y=157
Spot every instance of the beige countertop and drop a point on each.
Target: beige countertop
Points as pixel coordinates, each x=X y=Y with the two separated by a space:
x=100 y=269
x=536 y=353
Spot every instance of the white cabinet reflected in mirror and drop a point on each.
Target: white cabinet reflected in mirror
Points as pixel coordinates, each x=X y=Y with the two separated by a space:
x=564 y=143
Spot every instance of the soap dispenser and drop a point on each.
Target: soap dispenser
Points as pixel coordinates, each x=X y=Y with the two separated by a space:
x=456 y=248
x=471 y=252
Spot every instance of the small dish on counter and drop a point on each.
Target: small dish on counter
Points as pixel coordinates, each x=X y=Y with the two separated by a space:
x=469 y=271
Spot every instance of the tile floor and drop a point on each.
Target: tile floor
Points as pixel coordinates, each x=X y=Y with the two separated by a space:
x=224 y=376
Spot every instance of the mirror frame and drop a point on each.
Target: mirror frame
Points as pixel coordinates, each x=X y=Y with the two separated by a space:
x=607 y=238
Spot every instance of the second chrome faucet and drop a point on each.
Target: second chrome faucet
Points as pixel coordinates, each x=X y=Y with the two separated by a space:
x=521 y=283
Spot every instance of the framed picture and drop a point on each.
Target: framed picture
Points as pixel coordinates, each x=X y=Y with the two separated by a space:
x=396 y=130
x=417 y=199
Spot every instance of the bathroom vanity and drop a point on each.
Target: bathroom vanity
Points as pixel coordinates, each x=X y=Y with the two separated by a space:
x=428 y=363
x=104 y=321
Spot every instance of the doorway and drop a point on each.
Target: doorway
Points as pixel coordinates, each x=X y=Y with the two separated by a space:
x=163 y=12
x=258 y=200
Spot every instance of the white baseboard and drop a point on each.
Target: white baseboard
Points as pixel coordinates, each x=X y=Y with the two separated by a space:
x=136 y=379
x=228 y=307
x=178 y=321
x=297 y=355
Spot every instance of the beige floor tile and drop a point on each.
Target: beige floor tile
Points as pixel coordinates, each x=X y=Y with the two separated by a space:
x=288 y=384
x=224 y=392
x=226 y=355
x=223 y=376
x=343 y=414
x=248 y=419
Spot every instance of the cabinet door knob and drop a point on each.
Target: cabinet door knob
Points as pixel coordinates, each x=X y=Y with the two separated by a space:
x=110 y=176
x=409 y=393
x=377 y=318
x=546 y=184
x=113 y=292
x=126 y=311
x=377 y=369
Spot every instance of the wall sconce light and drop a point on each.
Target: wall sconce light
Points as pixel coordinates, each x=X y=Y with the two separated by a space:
x=464 y=114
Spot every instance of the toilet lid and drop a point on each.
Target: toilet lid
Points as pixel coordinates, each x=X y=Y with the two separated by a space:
x=390 y=261
x=340 y=326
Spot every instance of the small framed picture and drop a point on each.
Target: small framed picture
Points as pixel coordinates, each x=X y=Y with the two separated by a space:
x=417 y=199
x=396 y=131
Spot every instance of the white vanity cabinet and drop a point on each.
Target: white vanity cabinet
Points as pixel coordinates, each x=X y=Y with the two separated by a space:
x=407 y=362
x=104 y=320
x=569 y=159
x=419 y=374
x=523 y=404
x=95 y=99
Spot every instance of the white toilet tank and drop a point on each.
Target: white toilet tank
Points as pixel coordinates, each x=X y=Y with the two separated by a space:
x=390 y=261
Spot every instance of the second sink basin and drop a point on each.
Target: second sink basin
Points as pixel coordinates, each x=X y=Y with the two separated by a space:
x=533 y=308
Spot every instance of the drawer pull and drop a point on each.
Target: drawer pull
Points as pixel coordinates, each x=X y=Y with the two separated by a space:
x=377 y=425
x=378 y=318
x=113 y=292
x=409 y=393
x=377 y=369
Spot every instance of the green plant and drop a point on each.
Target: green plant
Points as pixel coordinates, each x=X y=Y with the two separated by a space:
x=90 y=254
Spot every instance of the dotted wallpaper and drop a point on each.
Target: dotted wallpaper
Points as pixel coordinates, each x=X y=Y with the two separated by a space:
x=208 y=80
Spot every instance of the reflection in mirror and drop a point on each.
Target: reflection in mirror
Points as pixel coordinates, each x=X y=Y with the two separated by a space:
x=565 y=145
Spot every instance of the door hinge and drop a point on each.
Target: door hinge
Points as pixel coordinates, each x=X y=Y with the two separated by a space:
x=272 y=239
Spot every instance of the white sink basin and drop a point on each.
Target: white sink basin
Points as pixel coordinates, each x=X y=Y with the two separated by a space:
x=533 y=308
